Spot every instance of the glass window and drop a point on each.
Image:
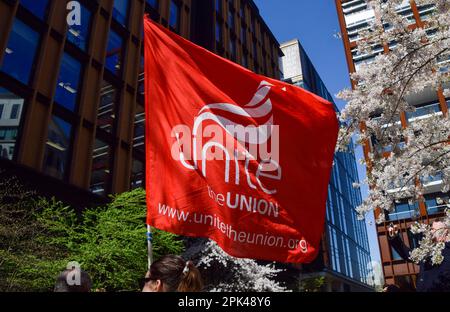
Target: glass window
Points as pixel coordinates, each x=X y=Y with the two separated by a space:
x=68 y=84
x=219 y=6
x=403 y=211
x=233 y=51
x=141 y=78
x=174 y=18
x=245 y=60
x=395 y=255
x=436 y=203
x=253 y=25
x=231 y=18
x=79 y=34
x=424 y=110
x=264 y=59
x=152 y=3
x=141 y=85
x=106 y=111
x=120 y=11
x=38 y=8
x=15 y=111
x=20 y=52
x=114 y=53
x=218 y=32
x=9 y=126
x=57 y=147
x=137 y=174
x=243 y=35
x=101 y=163
x=139 y=129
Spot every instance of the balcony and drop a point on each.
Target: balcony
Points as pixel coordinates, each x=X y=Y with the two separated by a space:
x=437 y=204
x=357 y=7
x=404 y=211
x=424 y=112
x=425 y=11
x=433 y=184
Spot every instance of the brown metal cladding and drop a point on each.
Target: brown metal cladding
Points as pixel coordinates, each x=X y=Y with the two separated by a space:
x=197 y=22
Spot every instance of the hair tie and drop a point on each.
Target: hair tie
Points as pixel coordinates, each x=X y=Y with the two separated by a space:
x=186 y=268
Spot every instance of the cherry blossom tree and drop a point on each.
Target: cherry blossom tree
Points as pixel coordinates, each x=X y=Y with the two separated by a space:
x=223 y=272
x=402 y=159
x=246 y=274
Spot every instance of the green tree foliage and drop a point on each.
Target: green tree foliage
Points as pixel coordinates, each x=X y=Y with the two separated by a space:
x=312 y=284
x=39 y=237
x=25 y=264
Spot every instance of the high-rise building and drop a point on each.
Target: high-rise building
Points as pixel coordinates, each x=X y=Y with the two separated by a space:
x=345 y=258
x=71 y=85
x=354 y=17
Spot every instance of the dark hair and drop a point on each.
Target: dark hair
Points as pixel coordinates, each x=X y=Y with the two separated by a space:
x=62 y=285
x=176 y=274
x=391 y=288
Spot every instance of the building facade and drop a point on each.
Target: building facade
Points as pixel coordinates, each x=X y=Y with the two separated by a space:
x=354 y=17
x=71 y=87
x=345 y=258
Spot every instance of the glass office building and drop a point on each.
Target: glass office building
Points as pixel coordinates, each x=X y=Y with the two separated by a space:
x=345 y=259
x=71 y=87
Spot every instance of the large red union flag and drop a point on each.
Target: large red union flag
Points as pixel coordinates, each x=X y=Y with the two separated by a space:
x=234 y=156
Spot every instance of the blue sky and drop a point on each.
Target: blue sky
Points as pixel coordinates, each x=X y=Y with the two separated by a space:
x=315 y=24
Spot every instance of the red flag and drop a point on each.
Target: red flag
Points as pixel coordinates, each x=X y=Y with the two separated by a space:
x=234 y=156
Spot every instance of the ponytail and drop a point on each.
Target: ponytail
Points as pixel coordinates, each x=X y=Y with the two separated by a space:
x=176 y=274
x=191 y=280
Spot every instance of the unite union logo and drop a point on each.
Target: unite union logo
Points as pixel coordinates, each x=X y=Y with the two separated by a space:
x=234 y=133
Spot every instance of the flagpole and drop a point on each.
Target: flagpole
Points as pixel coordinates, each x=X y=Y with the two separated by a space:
x=149 y=246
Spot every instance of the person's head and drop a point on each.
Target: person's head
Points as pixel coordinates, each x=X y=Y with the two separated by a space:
x=170 y=274
x=440 y=231
x=391 y=288
x=74 y=280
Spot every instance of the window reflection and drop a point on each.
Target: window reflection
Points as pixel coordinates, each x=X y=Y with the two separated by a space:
x=436 y=203
x=404 y=210
x=57 y=147
x=243 y=35
x=231 y=19
x=68 y=82
x=114 y=53
x=153 y=3
x=141 y=85
x=20 y=52
x=137 y=174
x=120 y=11
x=101 y=160
x=174 y=18
x=245 y=60
x=38 y=8
x=395 y=255
x=79 y=34
x=218 y=32
x=218 y=6
x=106 y=110
x=11 y=105
x=233 y=51
x=139 y=129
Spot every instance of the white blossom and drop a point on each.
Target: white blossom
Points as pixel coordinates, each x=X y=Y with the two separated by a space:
x=419 y=63
x=245 y=274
